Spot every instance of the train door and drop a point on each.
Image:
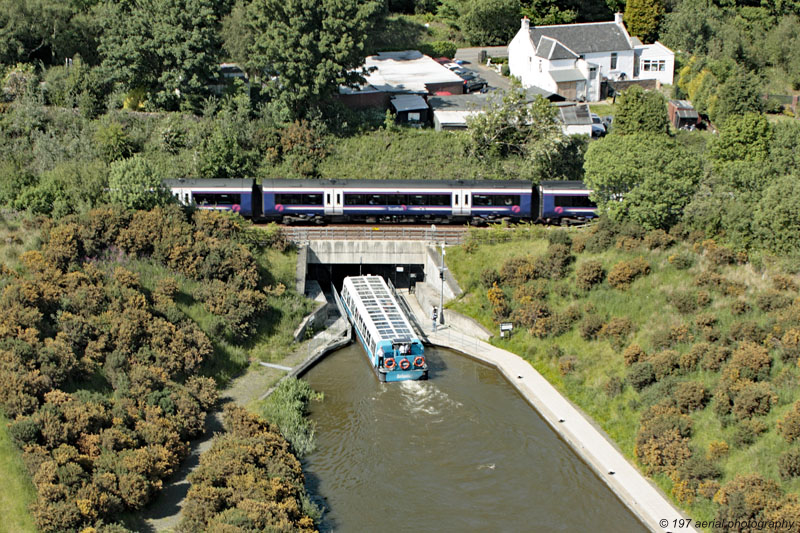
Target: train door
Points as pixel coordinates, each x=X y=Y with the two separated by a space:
x=334 y=201
x=462 y=203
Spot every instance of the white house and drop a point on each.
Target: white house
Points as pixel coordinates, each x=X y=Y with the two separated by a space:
x=574 y=59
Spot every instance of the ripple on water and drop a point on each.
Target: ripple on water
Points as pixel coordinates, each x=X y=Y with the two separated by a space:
x=461 y=452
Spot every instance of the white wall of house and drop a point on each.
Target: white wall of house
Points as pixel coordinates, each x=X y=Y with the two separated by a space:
x=521 y=60
x=579 y=129
x=656 y=62
x=625 y=60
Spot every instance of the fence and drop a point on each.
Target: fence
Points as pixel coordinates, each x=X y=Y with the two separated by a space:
x=439 y=235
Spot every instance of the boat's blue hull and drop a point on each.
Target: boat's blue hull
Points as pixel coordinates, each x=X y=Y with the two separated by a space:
x=384 y=374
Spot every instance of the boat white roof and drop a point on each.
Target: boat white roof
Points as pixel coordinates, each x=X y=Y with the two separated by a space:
x=379 y=309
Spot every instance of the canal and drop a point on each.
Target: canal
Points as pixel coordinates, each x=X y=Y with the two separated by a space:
x=461 y=452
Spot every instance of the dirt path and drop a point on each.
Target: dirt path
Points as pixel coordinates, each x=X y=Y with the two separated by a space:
x=164 y=514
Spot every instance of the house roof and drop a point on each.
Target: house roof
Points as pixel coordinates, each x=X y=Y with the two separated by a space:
x=479 y=101
x=409 y=71
x=408 y=102
x=551 y=49
x=574 y=114
x=454 y=118
x=566 y=74
x=585 y=38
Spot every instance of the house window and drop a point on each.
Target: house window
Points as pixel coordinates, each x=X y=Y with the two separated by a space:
x=540 y=65
x=592 y=73
x=613 y=61
x=654 y=65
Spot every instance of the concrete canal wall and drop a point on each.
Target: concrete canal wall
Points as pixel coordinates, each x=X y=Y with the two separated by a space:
x=642 y=497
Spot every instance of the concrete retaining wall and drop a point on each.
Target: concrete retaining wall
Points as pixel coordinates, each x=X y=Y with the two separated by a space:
x=335 y=252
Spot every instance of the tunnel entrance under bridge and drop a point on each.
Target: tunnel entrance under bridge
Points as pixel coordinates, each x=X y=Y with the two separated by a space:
x=403 y=276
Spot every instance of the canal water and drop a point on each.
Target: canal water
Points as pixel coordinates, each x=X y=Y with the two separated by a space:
x=461 y=452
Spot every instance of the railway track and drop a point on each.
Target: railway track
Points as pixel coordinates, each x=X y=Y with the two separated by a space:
x=434 y=234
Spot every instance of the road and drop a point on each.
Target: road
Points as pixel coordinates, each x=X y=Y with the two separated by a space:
x=470 y=55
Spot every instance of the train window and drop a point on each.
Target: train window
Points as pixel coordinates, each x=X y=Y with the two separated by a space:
x=186 y=198
x=298 y=199
x=455 y=199
x=338 y=199
x=328 y=198
x=217 y=198
x=574 y=201
x=505 y=200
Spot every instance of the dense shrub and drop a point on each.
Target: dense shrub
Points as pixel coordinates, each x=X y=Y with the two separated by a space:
x=633 y=354
x=517 y=270
x=640 y=375
x=751 y=361
x=613 y=386
x=591 y=325
x=658 y=238
x=664 y=363
x=681 y=261
x=745 y=497
x=589 y=274
x=537 y=289
x=717 y=449
x=559 y=236
x=747 y=432
x=249 y=470
x=684 y=301
x=715 y=357
x=740 y=307
x=789 y=425
x=789 y=464
x=662 y=443
x=753 y=399
x=554 y=263
x=489 y=277
x=616 y=331
x=690 y=396
x=689 y=360
x=772 y=301
x=567 y=364
x=529 y=312
x=625 y=272
x=784 y=283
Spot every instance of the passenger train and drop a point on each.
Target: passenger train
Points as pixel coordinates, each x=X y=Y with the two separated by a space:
x=322 y=200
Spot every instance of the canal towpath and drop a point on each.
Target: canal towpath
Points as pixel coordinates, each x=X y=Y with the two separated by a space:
x=590 y=442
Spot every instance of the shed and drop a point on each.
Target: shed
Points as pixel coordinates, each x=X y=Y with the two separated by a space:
x=410 y=109
x=575 y=118
x=682 y=114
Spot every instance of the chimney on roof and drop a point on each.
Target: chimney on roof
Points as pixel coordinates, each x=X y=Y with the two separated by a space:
x=526 y=23
x=618 y=18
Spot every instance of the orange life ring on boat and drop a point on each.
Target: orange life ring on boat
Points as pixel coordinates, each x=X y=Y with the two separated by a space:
x=389 y=363
x=404 y=364
x=419 y=361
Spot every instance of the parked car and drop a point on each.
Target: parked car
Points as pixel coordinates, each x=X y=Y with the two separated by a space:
x=475 y=84
x=598 y=130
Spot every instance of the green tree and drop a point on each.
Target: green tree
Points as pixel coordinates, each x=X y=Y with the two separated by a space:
x=742 y=138
x=739 y=94
x=519 y=125
x=135 y=184
x=310 y=46
x=643 y=178
x=490 y=22
x=640 y=111
x=642 y=18
x=169 y=48
x=775 y=218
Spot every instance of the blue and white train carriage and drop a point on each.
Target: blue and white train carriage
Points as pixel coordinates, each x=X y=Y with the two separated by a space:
x=391 y=346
